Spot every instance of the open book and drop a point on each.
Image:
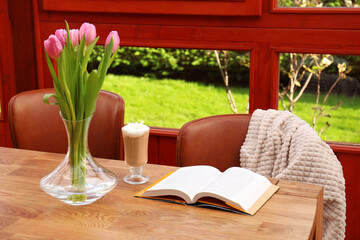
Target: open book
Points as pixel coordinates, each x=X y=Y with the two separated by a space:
x=236 y=189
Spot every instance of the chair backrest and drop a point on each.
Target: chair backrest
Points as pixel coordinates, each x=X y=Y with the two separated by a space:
x=214 y=141
x=35 y=125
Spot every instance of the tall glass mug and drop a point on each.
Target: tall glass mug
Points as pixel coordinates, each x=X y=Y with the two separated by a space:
x=136 y=138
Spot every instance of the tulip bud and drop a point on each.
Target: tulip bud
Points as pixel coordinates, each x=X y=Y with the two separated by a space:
x=53 y=46
x=61 y=34
x=74 y=36
x=116 y=40
x=89 y=31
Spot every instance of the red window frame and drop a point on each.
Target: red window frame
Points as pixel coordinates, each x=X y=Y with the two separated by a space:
x=179 y=7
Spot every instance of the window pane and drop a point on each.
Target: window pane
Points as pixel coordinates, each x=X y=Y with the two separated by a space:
x=324 y=90
x=169 y=87
x=318 y=3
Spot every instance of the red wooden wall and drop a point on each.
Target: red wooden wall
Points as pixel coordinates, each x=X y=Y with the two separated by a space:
x=7 y=73
x=255 y=26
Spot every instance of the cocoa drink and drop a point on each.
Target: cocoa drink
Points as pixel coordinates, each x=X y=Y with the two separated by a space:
x=136 y=138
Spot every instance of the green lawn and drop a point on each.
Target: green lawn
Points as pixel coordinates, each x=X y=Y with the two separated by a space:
x=171 y=103
x=344 y=121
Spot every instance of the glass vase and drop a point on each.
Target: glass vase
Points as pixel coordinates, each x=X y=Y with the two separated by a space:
x=79 y=179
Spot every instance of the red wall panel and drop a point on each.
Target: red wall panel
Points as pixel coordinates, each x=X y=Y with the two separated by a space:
x=7 y=73
x=351 y=166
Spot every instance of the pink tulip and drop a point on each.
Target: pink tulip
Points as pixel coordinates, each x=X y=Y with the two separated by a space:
x=61 y=34
x=89 y=31
x=74 y=36
x=53 y=46
x=116 y=40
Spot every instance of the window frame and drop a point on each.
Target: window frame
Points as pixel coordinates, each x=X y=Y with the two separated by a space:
x=176 y=7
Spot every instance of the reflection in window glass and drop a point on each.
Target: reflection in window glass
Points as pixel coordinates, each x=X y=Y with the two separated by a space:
x=324 y=90
x=169 y=87
x=318 y=3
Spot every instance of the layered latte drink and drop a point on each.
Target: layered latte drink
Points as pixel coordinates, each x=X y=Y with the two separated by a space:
x=136 y=138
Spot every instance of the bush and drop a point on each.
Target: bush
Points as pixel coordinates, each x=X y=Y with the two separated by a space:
x=188 y=64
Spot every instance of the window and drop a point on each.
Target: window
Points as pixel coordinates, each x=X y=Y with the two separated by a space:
x=169 y=87
x=324 y=90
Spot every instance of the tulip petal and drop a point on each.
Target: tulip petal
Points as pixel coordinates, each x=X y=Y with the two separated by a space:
x=89 y=31
x=53 y=46
x=61 y=34
x=74 y=36
x=116 y=40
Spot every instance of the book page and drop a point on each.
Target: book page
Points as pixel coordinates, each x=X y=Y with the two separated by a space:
x=185 y=182
x=237 y=186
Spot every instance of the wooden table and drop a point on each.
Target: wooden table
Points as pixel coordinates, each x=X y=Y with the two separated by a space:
x=26 y=212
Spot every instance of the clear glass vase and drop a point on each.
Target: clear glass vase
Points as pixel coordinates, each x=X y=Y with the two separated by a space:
x=79 y=179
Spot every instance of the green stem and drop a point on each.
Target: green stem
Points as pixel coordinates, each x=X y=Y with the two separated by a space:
x=78 y=146
x=71 y=106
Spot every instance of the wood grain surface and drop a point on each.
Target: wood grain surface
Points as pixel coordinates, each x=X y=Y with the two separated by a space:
x=26 y=212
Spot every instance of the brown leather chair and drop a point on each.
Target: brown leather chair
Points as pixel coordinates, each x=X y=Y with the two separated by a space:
x=35 y=125
x=214 y=141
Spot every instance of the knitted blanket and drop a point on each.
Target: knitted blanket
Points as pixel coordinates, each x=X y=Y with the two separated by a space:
x=279 y=144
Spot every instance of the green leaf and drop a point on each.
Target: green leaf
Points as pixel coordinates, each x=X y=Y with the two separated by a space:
x=61 y=72
x=57 y=87
x=46 y=99
x=92 y=92
x=80 y=98
x=105 y=63
x=68 y=31
x=80 y=52
x=69 y=44
x=52 y=70
x=69 y=66
x=85 y=78
x=113 y=57
x=56 y=80
x=87 y=54
x=65 y=93
x=59 y=101
x=67 y=69
x=78 y=73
